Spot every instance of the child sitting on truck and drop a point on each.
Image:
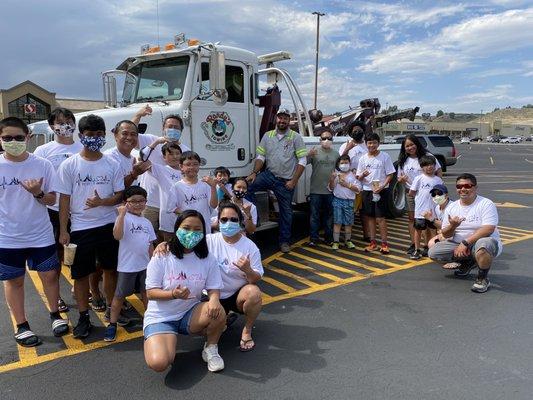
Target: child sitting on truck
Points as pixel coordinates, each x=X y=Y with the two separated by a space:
x=222 y=175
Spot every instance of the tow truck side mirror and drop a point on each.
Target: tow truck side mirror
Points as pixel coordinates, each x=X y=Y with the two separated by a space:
x=217 y=76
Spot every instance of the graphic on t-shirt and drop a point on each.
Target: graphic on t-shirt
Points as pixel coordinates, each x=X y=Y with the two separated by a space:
x=92 y=180
x=138 y=228
x=13 y=182
x=193 y=199
x=175 y=177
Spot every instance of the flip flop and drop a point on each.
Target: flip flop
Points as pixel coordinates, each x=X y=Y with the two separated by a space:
x=243 y=343
x=451 y=265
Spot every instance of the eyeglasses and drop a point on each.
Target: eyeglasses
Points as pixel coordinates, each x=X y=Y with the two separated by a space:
x=136 y=202
x=18 y=138
x=325 y=138
x=232 y=219
x=436 y=193
x=464 y=186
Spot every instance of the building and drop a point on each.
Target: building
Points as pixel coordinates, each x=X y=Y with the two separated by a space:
x=452 y=129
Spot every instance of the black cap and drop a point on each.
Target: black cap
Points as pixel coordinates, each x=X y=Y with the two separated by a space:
x=439 y=187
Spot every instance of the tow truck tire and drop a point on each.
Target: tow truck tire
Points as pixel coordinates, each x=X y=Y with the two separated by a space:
x=442 y=162
x=396 y=200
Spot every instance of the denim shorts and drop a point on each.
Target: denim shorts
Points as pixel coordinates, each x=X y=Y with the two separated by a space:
x=176 y=327
x=13 y=261
x=342 y=211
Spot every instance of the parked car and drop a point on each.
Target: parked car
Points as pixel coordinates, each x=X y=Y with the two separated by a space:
x=510 y=139
x=529 y=139
x=465 y=140
x=477 y=139
x=440 y=146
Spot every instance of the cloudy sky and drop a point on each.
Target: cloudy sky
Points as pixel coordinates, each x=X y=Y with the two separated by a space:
x=456 y=56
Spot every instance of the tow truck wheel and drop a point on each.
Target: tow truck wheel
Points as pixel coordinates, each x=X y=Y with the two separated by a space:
x=396 y=200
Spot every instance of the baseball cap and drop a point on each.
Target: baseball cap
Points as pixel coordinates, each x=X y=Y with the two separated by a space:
x=283 y=111
x=440 y=187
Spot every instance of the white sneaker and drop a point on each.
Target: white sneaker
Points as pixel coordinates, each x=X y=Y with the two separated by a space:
x=210 y=355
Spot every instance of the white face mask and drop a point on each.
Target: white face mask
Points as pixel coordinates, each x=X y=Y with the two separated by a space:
x=439 y=200
x=344 y=167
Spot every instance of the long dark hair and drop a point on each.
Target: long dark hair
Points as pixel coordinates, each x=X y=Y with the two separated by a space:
x=420 y=149
x=175 y=245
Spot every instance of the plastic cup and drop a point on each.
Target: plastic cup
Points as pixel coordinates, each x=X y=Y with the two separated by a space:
x=70 y=252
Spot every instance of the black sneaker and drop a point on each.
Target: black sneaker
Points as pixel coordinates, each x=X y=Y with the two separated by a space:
x=480 y=285
x=464 y=269
x=425 y=251
x=411 y=249
x=416 y=255
x=83 y=328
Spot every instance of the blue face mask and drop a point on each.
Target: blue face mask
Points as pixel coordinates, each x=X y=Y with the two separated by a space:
x=189 y=239
x=230 y=228
x=93 y=143
x=173 y=134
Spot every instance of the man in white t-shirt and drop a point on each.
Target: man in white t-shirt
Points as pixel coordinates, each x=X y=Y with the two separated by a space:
x=470 y=226
x=63 y=123
x=27 y=185
x=91 y=185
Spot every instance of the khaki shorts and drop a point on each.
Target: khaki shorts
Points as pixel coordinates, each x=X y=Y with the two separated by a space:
x=152 y=215
x=358 y=202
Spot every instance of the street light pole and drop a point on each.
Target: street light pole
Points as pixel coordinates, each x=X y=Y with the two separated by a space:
x=318 y=15
x=480 y=134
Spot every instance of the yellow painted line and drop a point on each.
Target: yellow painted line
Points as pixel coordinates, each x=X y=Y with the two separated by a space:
x=304 y=267
x=279 y=254
x=510 y=205
x=393 y=248
x=525 y=237
x=357 y=254
x=364 y=244
x=326 y=264
x=491 y=160
x=344 y=260
x=521 y=191
x=288 y=274
x=278 y=284
x=512 y=229
x=26 y=354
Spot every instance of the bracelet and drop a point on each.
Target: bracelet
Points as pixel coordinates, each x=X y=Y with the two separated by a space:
x=39 y=196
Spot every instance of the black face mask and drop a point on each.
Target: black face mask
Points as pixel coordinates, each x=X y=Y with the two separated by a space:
x=239 y=193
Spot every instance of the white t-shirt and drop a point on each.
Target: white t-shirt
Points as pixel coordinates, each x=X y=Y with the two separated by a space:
x=342 y=192
x=133 y=247
x=56 y=153
x=354 y=153
x=184 y=196
x=412 y=169
x=379 y=167
x=167 y=272
x=126 y=163
x=166 y=177
x=437 y=212
x=24 y=222
x=226 y=253
x=423 y=185
x=481 y=212
x=147 y=181
x=79 y=178
x=253 y=212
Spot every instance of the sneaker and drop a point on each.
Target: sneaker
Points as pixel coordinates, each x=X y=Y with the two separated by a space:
x=384 y=249
x=349 y=244
x=480 y=285
x=62 y=306
x=284 y=247
x=212 y=358
x=371 y=247
x=121 y=321
x=464 y=269
x=411 y=249
x=83 y=328
x=98 y=304
x=110 y=334
x=335 y=246
x=416 y=255
x=425 y=251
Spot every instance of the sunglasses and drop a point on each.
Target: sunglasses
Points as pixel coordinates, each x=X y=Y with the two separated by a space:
x=232 y=219
x=436 y=193
x=464 y=186
x=18 y=138
x=326 y=138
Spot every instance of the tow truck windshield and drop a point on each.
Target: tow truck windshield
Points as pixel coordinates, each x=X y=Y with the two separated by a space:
x=156 y=80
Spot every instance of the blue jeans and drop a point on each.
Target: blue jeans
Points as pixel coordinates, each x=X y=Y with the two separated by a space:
x=321 y=213
x=267 y=181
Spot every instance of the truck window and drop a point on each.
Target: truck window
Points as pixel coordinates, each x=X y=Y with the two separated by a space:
x=441 y=141
x=234 y=82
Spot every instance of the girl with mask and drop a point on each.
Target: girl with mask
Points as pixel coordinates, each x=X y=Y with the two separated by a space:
x=344 y=185
x=174 y=283
x=239 y=261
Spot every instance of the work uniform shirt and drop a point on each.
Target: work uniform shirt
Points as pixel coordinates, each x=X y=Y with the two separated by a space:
x=282 y=152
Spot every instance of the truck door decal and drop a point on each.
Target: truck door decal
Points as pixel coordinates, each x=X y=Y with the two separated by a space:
x=218 y=128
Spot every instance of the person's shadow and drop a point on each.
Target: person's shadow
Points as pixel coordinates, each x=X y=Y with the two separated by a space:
x=279 y=346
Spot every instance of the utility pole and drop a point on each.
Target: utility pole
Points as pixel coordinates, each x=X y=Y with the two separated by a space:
x=481 y=115
x=318 y=15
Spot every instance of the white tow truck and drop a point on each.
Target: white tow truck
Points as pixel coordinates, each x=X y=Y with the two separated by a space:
x=215 y=89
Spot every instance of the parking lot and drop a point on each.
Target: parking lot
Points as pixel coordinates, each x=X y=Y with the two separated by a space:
x=339 y=324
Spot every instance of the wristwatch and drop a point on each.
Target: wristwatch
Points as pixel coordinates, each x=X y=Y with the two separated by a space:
x=39 y=196
x=465 y=243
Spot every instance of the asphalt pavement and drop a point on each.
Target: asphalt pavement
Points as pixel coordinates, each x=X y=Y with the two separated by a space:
x=336 y=325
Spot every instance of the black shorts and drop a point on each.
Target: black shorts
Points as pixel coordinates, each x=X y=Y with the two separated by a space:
x=421 y=224
x=230 y=304
x=375 y=209
x=94 y=245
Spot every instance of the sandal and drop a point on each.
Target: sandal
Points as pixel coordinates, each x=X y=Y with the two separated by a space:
x=242 y=346
x=98 y=304
x=26 y=338
x=62 y=306
x=451 y=265
x=60 y=327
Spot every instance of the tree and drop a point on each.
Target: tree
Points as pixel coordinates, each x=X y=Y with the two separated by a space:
x=496 y=109
x=440 y=113
x=452 y=115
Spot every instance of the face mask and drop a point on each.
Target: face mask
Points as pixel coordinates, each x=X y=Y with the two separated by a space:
x=189 y=239
x=93 y=143
x=439 y=200
x=239 y=193
x=64 y=130
x=326 y=144
x=14 y=148
x=230 y=228
x=344 y=167
x=173 y=134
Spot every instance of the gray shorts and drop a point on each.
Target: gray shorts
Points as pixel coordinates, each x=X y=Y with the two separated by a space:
x=409 y=202
x=443 y=251
x=129 y=283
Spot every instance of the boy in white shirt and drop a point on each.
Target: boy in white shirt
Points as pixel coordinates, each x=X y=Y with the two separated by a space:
x=91 y=185
x=63 y=123
x=27 y=185
x=222 y=175
x=135 y=234
x=420 y=190
x=192 y=194
x=375 y=171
